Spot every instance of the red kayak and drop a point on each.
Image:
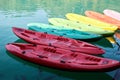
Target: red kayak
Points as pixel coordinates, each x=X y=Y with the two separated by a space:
x=61 y=58
x=56 y=41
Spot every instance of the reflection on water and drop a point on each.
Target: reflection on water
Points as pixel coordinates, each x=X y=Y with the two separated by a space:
x=25 y=11
x=22 y=12
x=34 y=9
x=53 y=7
x=117 y=75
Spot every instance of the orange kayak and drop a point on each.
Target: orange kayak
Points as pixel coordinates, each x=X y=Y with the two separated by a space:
x=102 y=17
x=60 y=58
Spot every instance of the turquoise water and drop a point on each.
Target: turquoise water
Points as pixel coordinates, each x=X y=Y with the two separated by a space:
x=21 y=12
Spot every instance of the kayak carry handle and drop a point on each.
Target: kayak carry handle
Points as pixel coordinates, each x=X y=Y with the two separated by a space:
x=50 y=50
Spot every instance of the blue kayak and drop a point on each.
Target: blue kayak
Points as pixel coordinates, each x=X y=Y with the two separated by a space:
x=61 y=31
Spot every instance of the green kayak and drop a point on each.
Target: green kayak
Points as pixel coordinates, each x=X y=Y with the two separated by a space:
x=61 y=31
x=78 y=26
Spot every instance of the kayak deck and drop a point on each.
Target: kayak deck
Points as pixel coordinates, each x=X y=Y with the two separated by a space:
x=60 y=58
x=90 y=21
x=78 y=26
x=56 y=41
x=70 y=33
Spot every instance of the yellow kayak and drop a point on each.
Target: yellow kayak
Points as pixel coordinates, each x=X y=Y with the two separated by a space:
x=78 y=26
x=90 y=21
x=111 y=39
